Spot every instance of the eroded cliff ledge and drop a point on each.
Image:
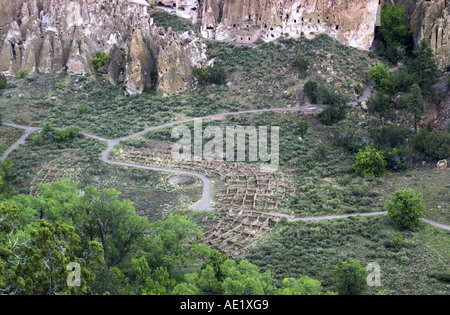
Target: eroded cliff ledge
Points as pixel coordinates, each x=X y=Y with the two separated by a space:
x=350 y=21
x=64 y=35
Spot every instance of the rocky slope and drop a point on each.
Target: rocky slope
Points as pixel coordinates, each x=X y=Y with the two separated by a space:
x=64 y=35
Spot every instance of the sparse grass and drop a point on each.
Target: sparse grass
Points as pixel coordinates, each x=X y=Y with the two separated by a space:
x=432 y=182
x=166 y=20
x=78 y=160
x=8 y=135
x=314 y=249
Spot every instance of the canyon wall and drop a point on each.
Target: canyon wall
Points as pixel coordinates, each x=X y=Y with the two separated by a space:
x=350 y=21
x=63 y=35
x=431 y=20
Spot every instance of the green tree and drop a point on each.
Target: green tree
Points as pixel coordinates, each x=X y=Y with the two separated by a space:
x=427 y=145
x=206 y=75
x=311 y=91
x=381 y=104
x=394 y=31
x=185 y=289
x=40 y=265
x=38 y=140
x=302 y=127
x=415 y=104
x=113 y=222
x=172 y=243
x=148 y=282
x=350 y=278
x=406 y=208
x=380 y=75
x=6 y=174
x=222 y=275
x=302 y=286
x=370 y=163
x=66 y=134
x=424 y=68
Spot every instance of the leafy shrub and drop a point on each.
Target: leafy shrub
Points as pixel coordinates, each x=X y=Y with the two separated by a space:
x=60 y=85
x=396 y=241
x=66 y=134
x=348 y=138
x=100 y=60
x=210 y=75
x=47 y=127
x=429 y=145
x=38 y=140
x=302 y=127
x=406 y=208
x=81 y=109
x=380 y=76
x=382 y=104
x=390 y=136
x=301 y=65
x=370 y=163
x=3 y=81
x=399 y=158
x=350 y=278
x=320 y=153
x=359 y=89
x=311 y=90
x=22 y=74
x=331 y=115
x=166 y=20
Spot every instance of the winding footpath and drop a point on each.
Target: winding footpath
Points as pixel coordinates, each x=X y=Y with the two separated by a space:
x=204 y=204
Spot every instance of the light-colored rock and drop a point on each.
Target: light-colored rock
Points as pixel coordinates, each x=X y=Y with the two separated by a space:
x=350 y=21
x=442 y=164
x=53 y=36
x=431 y=20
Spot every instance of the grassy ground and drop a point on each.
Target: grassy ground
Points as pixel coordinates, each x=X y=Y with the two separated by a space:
x=314 y=249
x=8 y=135
x=151 y=193
x=259 y=77
x=324 y=181
x=431 y=182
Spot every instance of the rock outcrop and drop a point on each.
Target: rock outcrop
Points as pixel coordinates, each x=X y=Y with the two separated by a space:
x=63 y=35
x=350 y=21
x=431 y=20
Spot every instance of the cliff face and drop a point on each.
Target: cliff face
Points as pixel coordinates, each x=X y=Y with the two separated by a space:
x=350 y=21
x=431 y=20
x=57 y=35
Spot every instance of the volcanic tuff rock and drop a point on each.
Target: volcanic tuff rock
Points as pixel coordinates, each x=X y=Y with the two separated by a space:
x=431 y=20
x=58 y=35
x=350 y=21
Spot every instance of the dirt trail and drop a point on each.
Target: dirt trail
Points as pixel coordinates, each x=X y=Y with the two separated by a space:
x=204 y=203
